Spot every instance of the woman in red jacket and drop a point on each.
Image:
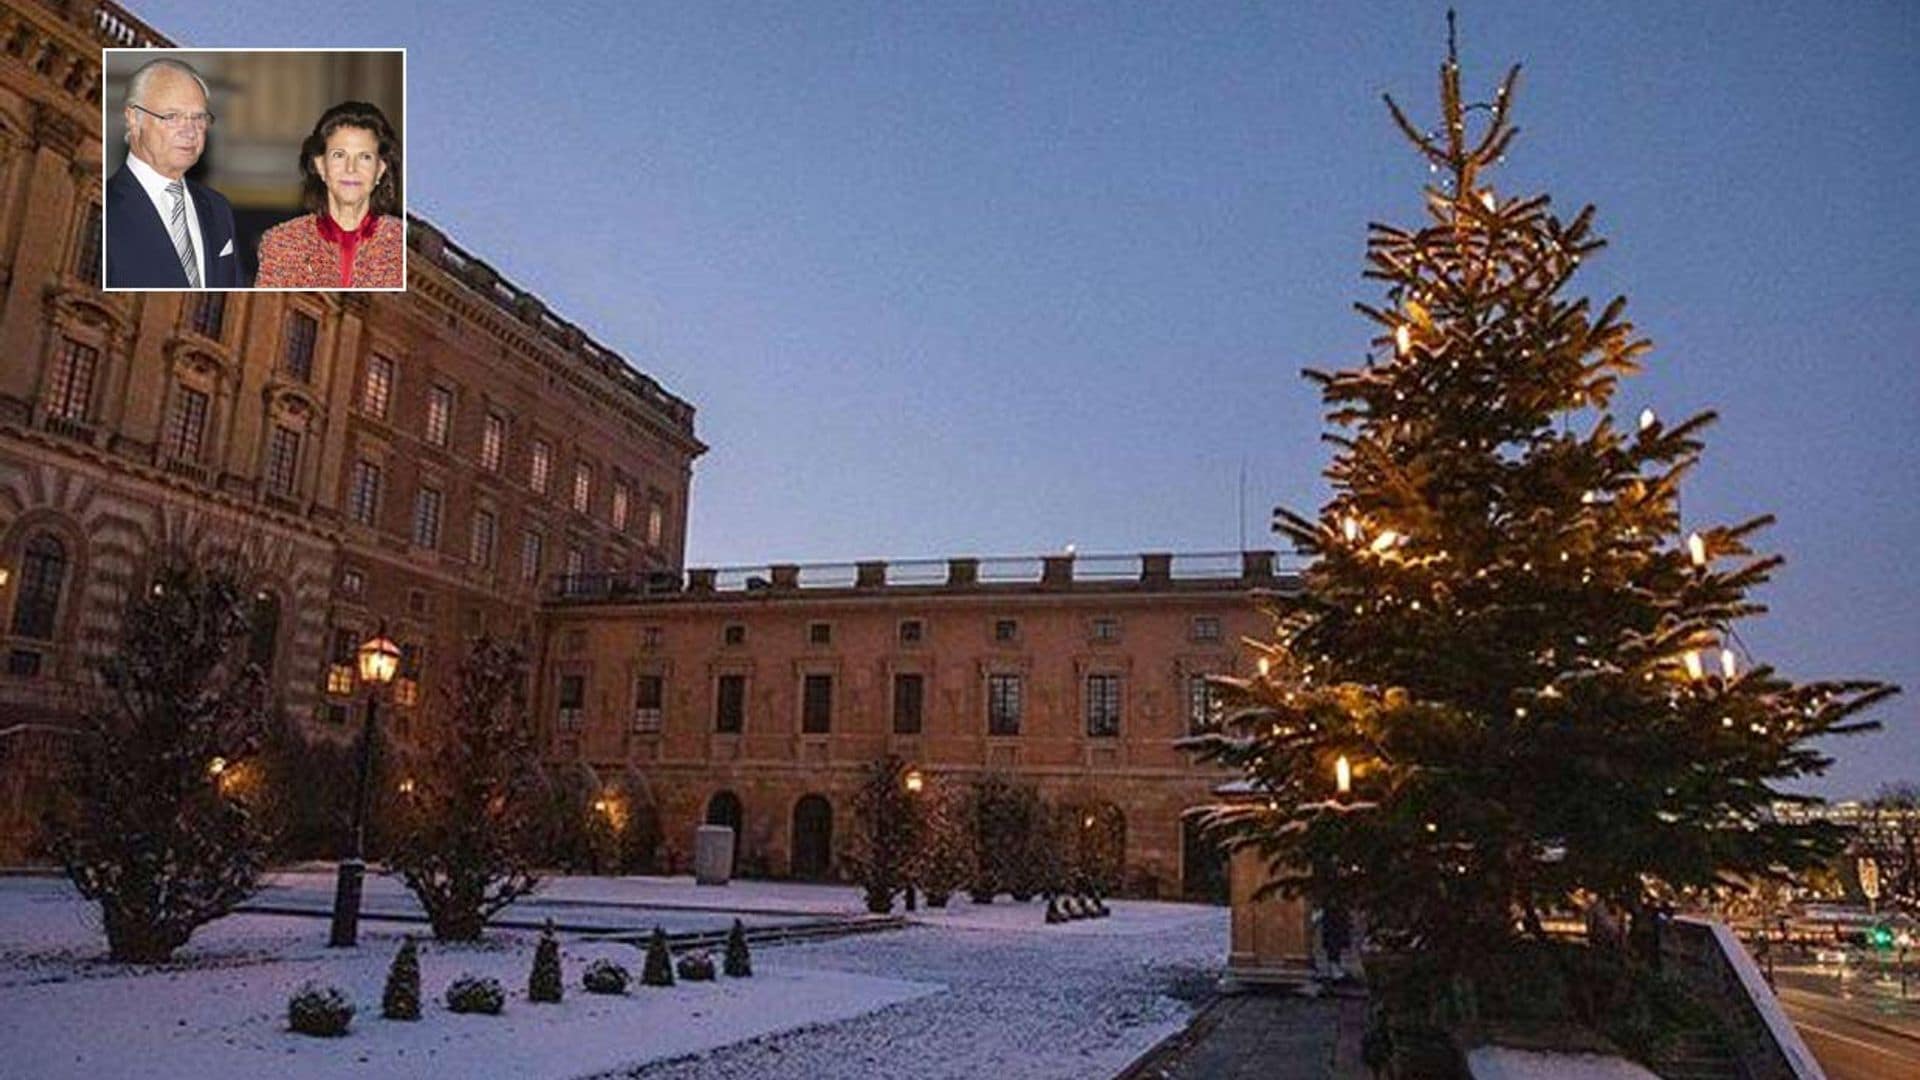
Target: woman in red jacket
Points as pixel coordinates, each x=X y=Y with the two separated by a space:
x=354 y=238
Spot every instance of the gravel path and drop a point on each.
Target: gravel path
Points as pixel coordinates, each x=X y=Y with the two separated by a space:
x=1049 y=1002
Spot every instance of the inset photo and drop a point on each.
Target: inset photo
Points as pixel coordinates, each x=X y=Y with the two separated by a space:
x=254 y=169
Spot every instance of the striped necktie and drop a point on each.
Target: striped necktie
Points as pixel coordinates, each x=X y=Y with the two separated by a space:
x=182 y=240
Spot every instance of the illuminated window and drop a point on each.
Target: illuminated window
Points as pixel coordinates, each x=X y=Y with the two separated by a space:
x=573 y=699
x=439 y=414
x=426 y=518
x=540 y=465
x=620 y=497
x=582 y=486
x=531 y=543
x=340 y=662
x=656 y=524
x=376 y=394
x=493 y=442
x=480 y=542
x=649 y=702
x=1203 y=705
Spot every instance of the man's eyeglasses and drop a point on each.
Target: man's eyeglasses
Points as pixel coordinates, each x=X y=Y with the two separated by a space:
x=176 y=120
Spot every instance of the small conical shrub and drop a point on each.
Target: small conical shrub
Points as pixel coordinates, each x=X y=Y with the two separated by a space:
x=401 y=999
x=738 y=963
x=544 y=984
x=659 y=968
x=1054 y=914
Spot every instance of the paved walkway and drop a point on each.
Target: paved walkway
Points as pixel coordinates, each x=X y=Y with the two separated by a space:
x=1264 y=1036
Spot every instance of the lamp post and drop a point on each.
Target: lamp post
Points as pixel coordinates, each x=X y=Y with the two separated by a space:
x=914 y=783
x=379 y=661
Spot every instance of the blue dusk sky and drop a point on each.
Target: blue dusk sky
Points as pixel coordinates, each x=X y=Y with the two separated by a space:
x=965 y=278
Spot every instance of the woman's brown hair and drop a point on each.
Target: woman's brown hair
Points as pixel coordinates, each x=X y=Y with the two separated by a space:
x=385 y=198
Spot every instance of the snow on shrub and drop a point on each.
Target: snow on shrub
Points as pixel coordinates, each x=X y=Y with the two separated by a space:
x=659 y=967
x=605 y=977
x=696 y=967
x=476 y=994
x=739 y=963
x=544 y=984
x=401 y=999
x=316 y=1009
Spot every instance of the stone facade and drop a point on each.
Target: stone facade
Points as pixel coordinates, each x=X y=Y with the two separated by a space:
x=362 y=458
x=753 y=695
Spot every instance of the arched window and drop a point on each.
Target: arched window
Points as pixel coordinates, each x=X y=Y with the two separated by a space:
x=43 y=574
x=263 y=637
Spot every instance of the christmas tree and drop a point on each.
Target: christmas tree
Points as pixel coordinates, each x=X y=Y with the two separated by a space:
x=1510 y=681
x=544 y=985
x=153 y=828
x=401 y=998
x=466 y=845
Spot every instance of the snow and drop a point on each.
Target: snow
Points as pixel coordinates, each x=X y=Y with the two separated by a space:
x=1509 y=1063
x=970 y=990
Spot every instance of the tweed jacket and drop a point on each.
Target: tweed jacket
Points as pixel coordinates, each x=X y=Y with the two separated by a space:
x=311 y=252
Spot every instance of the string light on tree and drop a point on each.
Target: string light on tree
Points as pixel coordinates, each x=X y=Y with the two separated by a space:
x=1697 y=548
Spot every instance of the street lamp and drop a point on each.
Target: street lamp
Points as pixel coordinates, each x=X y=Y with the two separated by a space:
x=379 y=660
x=914 y=783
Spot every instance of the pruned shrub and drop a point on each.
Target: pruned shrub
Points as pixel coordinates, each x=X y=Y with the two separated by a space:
x=401 y=999
x=544 y=984
x=476 y=994
x=739 y=962
x=1054 y=914
x=317 y=1009
x=605 y=977
x=658 y=970
x=696 y=966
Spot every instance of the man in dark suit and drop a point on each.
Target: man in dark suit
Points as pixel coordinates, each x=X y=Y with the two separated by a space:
x=163 y=230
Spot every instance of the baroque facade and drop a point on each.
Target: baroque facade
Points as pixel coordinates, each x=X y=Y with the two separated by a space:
x=459 y=458
x=424 y=459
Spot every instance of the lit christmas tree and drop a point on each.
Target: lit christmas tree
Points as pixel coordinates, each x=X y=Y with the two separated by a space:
x=1511 y=683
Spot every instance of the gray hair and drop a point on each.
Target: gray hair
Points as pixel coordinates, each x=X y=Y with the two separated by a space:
x=142 y=75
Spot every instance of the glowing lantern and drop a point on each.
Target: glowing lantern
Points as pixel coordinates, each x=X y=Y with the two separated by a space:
x=1342 y=775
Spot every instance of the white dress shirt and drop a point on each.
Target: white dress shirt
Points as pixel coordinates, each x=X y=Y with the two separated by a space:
x=156 y=188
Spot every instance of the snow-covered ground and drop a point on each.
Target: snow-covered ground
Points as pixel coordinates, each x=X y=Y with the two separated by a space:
x=970 y=991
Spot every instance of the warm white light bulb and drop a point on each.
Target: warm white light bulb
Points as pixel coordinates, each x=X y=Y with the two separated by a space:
x=1264 y=665
x=1402 y=338
x=1350 y=528
x=1385 y=540
x=1342 y=775
x=1697 y=547
x=1729 y=664
x=1487 y=199
x=1647 y=419
x=1692 y=659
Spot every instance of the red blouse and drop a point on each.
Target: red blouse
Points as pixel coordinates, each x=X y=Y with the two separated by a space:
x=312 y=252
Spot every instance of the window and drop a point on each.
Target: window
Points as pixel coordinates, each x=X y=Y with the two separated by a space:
x=1204 y=628
x=70 y=383
x=1006 y=630
x=439 y=414
x=530 y=544
x=340 y=662
x=912 y=631
x=620 y=497
x=363 y=492
x=573 y=699
x=816 y=705
x=909 y=694
x=649 y=697
x=650 y=637
x=86 y=254
x=426 y=518
x=540 y=466
x=353 y=583
x=1203 y=705
x=186 y=425
x=734 y=634
x=576 y=560
x=1003 y=704
x=1103 y=706
x=43 y=574
x=207 y=315
x=819 y=633
x=730 y=704
x=582 y=486
x=376 y=391
x=296 y=345
x=23 y=663
x=480 y=541
x=1105 y=628
x=493 y=442
x=283 y=459
x=656 y=524
x=263 y=638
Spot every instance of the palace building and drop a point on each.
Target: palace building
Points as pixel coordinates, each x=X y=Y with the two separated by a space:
x=460 y=458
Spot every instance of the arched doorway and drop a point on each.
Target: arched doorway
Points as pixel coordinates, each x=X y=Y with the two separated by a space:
x=812 y=838
x=1203 y=865
x=724 y=809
